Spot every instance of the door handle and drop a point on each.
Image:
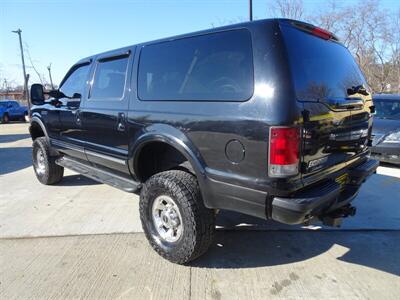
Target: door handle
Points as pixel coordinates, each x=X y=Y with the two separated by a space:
x=121 y=122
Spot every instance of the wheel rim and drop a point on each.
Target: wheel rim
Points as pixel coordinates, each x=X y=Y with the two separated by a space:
x=40 y=165
x=167 y=218
x=26 y=117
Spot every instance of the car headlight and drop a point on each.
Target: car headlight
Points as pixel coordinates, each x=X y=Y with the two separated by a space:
x=394 y=137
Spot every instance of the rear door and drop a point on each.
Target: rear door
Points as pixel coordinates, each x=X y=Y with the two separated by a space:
x=103 y=115
x=13 y=110
x=336 y=117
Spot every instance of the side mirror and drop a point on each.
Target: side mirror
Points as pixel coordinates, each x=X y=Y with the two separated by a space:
x=56 y=94
x=77 y=96
x=75 y=101
x=37 y=94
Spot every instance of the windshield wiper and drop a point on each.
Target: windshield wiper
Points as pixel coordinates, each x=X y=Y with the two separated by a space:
x=359 y=89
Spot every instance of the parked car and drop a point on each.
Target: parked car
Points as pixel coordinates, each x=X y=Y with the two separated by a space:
x=11 y=110
x=269 y=118
x=386 y=129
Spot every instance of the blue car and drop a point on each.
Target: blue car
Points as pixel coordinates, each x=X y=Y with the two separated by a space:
x=11 y=110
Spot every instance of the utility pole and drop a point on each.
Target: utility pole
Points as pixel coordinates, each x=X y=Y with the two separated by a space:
x=251 y=10
x=26 y=93
x=51 y=79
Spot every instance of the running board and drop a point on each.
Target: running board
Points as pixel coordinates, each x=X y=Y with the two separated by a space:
x=99 y=175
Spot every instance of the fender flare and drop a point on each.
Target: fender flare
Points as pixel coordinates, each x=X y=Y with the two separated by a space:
x=36 y=119
x=173 y=137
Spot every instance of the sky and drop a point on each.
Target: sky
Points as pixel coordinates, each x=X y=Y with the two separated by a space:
x=61 y=32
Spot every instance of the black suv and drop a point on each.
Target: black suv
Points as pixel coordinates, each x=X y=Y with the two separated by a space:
x=270 y=118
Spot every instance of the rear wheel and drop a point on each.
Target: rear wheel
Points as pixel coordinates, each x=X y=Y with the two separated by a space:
x=5 y=119
x=46 y=170
x=176 y=222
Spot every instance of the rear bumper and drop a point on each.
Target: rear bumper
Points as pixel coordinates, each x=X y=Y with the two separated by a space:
x=323 y=198
x=386 y=153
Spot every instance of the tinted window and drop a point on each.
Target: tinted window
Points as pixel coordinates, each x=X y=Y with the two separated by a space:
x=109 y=79
x=320 y=68
x=76 y=81
x=387 y=109
x=208 y=67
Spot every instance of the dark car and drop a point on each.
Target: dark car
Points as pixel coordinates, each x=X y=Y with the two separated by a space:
x=386 y=129
x=270 y=118
x=11 y=110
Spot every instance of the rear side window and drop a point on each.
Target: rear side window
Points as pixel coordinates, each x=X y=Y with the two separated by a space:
x=109 y=79
x=320 y=68
x=212 y=67
x=76 y=81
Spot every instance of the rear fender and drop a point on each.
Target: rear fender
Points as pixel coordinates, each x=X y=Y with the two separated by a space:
x=173 y=137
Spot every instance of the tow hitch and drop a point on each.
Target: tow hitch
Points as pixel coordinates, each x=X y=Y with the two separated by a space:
x=335 y=218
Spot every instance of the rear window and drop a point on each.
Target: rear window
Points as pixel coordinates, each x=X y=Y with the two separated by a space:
x=320 y=68
x=213 y=67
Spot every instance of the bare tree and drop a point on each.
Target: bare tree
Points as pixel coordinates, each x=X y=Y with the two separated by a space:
x=291 y=9
x=41 y=76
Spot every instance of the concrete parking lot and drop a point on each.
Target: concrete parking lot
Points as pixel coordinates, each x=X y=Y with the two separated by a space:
x=83 y=239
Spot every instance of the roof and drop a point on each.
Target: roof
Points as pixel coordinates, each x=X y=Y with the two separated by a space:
x=247 y=24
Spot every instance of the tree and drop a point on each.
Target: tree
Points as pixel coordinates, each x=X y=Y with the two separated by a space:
x=371 y=33
x=291 y=9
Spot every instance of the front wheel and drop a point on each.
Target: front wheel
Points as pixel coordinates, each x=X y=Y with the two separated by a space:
x=46 y=169
x=26 y=117
x=5 y=119
x=177 y=224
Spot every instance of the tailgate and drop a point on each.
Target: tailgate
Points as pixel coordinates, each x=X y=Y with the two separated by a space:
x=336 y=106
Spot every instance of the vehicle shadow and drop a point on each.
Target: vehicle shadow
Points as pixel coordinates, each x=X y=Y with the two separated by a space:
x=250 y=249
x=76 y=180
x=8 y=138
x=14 y=159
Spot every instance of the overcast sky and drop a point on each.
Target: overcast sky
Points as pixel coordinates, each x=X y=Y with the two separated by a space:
x=61 y=32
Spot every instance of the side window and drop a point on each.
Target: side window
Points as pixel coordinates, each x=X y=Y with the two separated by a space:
x=109 y=79
x=212 y=67
x=76 y=81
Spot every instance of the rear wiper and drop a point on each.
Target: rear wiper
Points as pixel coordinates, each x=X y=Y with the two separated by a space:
x=359 y=89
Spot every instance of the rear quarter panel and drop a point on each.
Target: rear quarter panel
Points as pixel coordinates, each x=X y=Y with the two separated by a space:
x=211 y=126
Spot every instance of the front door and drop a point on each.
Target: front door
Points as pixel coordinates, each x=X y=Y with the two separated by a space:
x=63 y=117
x=103 y=115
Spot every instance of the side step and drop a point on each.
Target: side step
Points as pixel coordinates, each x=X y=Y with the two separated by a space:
x=99 y=174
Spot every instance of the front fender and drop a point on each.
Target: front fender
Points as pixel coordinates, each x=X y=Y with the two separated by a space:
x=36 y=119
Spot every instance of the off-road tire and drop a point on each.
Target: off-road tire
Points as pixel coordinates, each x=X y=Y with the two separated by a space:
x=198 y=221
x=52 y=173
x=5 y=119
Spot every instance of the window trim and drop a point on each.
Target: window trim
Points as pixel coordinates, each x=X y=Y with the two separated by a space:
x=107 y=58
x=73 y=69
x=194 y=36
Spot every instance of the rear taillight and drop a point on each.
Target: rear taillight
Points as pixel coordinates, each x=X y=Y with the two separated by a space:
x=283 y=151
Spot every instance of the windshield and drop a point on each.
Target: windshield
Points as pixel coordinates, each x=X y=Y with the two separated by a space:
x=3 y=104
x=387 y=109
x=320 y=68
